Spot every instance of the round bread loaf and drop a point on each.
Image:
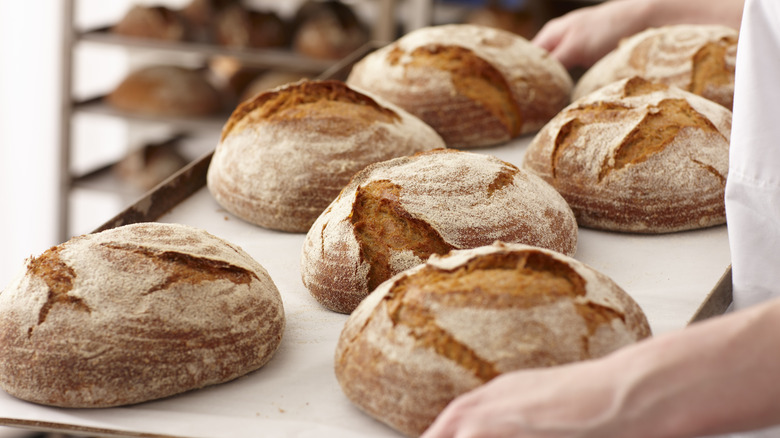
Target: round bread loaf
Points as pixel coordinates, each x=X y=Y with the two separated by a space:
x=237 y=26
x=202 y=16
x=696 y=58
x=285 y=154
x=637 y=156
x=395 y=214
x=133 y=314
x=327 y=30
x=166 y=90
x=268 y=81
x=202 y=12
x=443 y=328
x=153 y=22
x=475 y=85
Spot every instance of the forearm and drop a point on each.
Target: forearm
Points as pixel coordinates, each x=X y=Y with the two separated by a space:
x=667 y=12
x=585 y=35
x=717 y=376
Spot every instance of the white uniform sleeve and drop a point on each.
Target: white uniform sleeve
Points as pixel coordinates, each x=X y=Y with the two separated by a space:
x=753 y=184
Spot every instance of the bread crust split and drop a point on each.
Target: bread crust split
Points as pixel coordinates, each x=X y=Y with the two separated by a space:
x=443 y=328
x=476 y=86
x=394 y=214
x=135 y=313
x=637 y=156
x=285 y=154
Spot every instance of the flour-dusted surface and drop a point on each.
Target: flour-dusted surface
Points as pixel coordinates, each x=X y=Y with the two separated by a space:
x=296 y=392
x=133 y=314
x=466 y=199
x=280 y=170
x=697 y=58
x=520 y=85
x=639 y=157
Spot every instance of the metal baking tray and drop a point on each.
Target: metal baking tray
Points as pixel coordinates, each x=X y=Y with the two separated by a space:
x=676 y=278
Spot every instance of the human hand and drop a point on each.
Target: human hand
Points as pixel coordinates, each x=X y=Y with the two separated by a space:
x=576 y=400
x=585 y=35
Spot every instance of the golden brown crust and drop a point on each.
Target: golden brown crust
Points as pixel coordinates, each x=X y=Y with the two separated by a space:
x=393 y=215
x=297 y=100
x=285 y=154
x=697 y=58
x=382 y=226
x=166 y=90
x=477 y=86
x=133 y=314
x=639 y=157
x=452 y=324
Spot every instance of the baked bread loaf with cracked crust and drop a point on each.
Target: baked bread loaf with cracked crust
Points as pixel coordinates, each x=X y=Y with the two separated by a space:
x=637 y=156
x=697 y=58
x=135 y=313
x=477 y=86
x=285 y=154
x=396 y=213
x=443 y=328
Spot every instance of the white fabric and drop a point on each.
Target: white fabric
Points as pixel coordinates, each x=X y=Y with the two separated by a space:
x=753 y=184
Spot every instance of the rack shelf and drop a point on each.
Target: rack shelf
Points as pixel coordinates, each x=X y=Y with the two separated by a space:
x=100 y=178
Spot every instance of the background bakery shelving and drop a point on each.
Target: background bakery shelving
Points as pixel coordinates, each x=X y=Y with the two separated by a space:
x=94 y=135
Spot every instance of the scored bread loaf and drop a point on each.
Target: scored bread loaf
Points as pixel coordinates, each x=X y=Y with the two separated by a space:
x=285 y=154
x=697 y=58
x=443 y=328
x=396 y=213
x=477 y=86
x=133 y=314
x=166 y=90
x=637 y=156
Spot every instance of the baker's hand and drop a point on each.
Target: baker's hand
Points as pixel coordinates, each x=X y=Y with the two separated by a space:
x=583 y=36
x=568 y=401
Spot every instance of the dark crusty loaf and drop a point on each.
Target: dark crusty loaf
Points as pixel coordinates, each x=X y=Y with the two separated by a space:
x=166 y=90
x=477 y=86
x=237 y=26
x=152 y=22
x=285 y=154
x=443 y=328
x=697 y=58
x=396 y=213
x=637 y=156
x=327 y=30
x=135 y=313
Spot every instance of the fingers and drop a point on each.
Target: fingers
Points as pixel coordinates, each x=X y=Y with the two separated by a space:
x=448 y=423
x=484 y=412
x=549 y=35
x=573 y=39
x=563 y=38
